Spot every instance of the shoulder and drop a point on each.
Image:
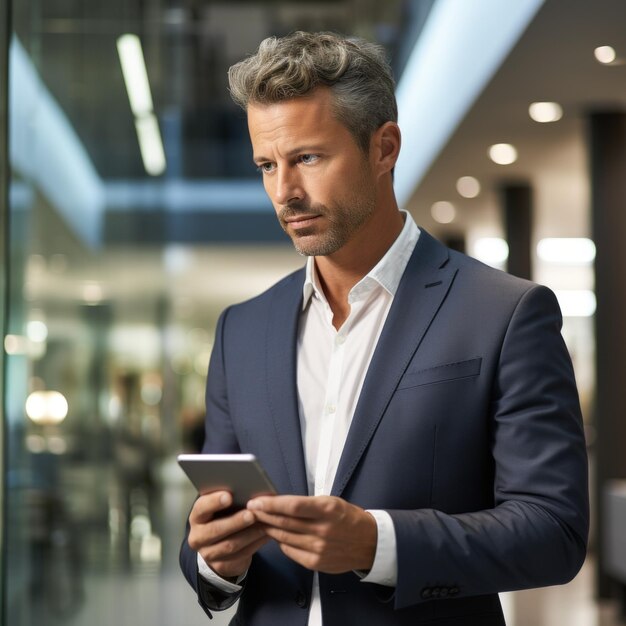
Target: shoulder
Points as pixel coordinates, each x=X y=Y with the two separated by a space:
x=476 y=281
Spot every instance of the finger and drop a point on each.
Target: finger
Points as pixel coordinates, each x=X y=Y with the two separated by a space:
x=207 y=505
x=219 y=529
x=237 y=564
x=307 y=542
x=309 y=507
x=235 y=545
x=293 y=524
x=305 y=558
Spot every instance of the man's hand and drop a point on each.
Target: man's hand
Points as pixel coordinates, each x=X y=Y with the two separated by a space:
x=322 y=533
x=225 y=543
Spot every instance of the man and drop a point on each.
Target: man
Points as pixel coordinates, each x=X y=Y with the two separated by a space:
x=415 y=409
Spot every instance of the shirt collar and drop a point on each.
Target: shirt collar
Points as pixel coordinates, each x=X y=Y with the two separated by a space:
x=386 y=273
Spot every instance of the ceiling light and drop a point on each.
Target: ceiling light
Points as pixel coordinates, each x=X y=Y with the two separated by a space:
x=135 y=74
x=605 y=54
x=468 y=186
x=491 y=250
x=443 y=212
x=545 y=112
x=150 y=144
x=576 y=302
x=140 y=97
x=568 y=251
x=503 y=153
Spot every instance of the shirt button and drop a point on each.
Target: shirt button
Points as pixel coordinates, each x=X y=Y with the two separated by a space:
x=301 y=599
x=331 y=408
x=340 y=339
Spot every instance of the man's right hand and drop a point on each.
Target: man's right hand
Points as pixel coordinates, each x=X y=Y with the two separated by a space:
x=225 y=543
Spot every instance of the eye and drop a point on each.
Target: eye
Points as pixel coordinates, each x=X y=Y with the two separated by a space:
x=307 y=159
x=266 y=168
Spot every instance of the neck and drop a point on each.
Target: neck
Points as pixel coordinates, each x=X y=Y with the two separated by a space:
x=340 y=271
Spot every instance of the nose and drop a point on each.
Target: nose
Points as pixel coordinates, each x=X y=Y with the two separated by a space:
x=288 y=186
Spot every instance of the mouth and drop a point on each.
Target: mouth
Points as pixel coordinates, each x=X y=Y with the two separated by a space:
x=300 y=221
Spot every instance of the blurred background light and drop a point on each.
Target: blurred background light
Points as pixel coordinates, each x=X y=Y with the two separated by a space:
x=605 y=54
x=92 y=293
x=468 y=186
x=545 y=112
x=443 y=212
x=46 y=407
x=569 y=251
x=491 y=250
x=37 y=331
x=140 y=98
x=135 y=74
x=150 y=144
x=576 y=302
x=503 y=153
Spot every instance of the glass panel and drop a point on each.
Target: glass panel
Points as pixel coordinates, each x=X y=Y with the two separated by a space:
x=4 y=30
x=119 y=266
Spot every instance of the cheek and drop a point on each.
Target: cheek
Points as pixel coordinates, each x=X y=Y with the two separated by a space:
x=269 y=190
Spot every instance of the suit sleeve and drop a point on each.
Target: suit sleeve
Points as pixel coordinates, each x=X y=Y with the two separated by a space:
x=219 y=438
x=536 y=533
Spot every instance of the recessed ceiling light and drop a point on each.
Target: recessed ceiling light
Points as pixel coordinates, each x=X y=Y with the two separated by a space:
x=443 y=212
x=605 y=54
x=545 y=112
x=503 y=153
x=468 y=186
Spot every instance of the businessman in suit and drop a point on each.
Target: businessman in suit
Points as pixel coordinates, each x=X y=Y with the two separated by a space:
x=415 y=409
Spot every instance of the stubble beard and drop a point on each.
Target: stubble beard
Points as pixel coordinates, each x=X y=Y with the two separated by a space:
x=342 y=220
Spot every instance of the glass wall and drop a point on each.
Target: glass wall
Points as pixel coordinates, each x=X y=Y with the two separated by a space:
x=4 y=30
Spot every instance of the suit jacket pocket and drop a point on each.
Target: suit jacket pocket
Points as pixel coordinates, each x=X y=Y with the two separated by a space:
x=441 y=373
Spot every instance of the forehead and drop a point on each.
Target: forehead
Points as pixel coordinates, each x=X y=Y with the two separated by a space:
x=305 y=118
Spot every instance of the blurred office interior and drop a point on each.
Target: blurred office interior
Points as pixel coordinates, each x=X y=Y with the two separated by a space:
x=130 y=219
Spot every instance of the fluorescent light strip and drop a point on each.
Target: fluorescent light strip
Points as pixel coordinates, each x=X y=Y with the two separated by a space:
x=135 y=74
x=140 y=97
x=150 y=144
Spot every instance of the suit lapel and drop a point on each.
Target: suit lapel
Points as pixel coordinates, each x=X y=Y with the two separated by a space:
x=280 y=368
x=422 y=289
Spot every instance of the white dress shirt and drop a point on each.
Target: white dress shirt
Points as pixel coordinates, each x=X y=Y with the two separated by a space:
x=331 y=368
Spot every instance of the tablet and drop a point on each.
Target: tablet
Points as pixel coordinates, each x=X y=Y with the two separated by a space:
x=241 y=474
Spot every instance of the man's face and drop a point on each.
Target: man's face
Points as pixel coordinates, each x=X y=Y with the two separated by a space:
x=319 y=181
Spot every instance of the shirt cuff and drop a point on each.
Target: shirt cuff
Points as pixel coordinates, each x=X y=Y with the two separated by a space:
x=385 y=567
x=216 y=580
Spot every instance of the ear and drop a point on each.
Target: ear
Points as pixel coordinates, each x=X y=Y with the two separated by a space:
x=385 y=147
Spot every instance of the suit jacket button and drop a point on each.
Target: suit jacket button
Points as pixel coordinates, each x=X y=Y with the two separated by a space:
x=436 y=592
x=454 y=591
x=301 y=599
x=427 y=592
x=443 y=592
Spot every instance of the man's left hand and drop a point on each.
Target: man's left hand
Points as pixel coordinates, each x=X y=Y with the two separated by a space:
x=322 y=533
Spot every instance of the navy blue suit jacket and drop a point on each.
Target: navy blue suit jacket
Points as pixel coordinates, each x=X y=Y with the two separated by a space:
x=467 y=430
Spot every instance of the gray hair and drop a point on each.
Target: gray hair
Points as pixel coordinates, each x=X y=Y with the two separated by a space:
x=355 y=70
